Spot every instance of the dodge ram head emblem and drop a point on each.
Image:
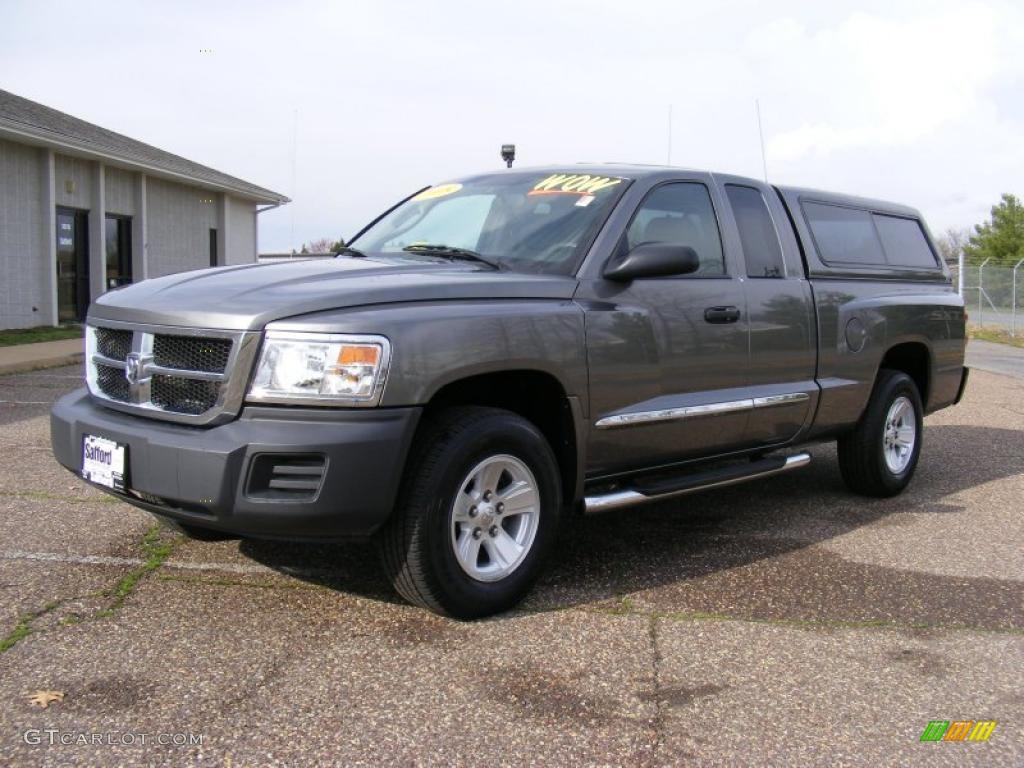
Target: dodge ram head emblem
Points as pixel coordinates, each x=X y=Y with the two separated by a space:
x=136 y=368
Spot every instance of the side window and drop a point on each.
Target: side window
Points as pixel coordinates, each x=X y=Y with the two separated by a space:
x=680 y=213
x=844 y=235
x=904 y=242
x=758 y=236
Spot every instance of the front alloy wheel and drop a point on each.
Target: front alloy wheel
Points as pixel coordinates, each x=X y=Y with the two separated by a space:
x=495 y=517
x=476 y=515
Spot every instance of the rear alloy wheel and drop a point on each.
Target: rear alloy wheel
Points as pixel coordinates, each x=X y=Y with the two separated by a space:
x=476 y=515
x=879 y=456
x=900 y=437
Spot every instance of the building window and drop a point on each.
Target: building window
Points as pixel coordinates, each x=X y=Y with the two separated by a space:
x=119 y=251
x=213 y=247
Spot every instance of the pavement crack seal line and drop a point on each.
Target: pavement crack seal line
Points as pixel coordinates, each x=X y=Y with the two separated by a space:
x=155 y=550
x=625 y=607
x=657 y=722
x=237 y=568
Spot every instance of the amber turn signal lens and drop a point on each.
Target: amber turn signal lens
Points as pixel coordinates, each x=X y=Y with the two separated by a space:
x=352 y=355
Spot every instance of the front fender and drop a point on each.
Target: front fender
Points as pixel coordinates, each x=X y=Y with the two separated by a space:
x=437 y=343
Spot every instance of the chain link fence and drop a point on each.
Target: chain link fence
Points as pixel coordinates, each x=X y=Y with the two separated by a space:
x=994 y=296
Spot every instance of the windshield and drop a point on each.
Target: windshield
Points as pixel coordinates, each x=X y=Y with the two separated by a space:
x=525 y=222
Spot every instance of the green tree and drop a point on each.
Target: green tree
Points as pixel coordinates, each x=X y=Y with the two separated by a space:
x=1001 y=238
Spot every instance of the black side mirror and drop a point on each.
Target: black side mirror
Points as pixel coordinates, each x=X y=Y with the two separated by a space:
x=654 y=260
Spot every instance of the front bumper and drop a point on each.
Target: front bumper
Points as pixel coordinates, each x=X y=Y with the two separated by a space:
x=206 y=477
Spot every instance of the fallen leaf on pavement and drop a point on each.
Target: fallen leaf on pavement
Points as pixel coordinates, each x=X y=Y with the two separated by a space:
x=43 y=698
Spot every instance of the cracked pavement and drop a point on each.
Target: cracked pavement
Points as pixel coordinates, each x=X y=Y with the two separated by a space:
x=780 y=622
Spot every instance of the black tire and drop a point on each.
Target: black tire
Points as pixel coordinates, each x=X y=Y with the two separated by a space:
x=862 y=452
x=416 y=545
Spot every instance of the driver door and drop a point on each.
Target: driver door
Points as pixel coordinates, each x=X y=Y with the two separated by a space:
x=668 y=356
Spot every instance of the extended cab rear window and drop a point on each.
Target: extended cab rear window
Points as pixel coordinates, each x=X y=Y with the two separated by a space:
x=846 y=235
x=904 y=241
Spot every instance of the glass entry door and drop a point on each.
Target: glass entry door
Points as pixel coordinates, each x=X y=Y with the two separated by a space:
x=119 y=251
x=72 y=265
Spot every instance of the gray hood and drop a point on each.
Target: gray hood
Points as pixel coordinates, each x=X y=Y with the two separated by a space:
x=248 y=297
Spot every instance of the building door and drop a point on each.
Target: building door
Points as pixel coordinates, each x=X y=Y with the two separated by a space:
x=213 y=247
x=119 y=251
x=72 y=265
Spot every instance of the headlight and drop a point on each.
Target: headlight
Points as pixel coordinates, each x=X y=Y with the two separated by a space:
x=325 y=367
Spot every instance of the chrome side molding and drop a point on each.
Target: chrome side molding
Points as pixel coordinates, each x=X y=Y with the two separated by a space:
x=693 y=411
x=786 y=399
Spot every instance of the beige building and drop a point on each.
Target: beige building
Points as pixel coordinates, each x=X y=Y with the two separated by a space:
x=84 y=210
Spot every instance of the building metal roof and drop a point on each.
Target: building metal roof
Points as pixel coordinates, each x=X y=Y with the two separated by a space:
x=33 y=123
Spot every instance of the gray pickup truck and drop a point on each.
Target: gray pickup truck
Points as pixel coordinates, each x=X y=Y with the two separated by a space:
x=495 y=355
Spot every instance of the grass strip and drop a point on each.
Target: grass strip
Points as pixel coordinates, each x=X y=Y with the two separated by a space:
x=997 y=335
x=14 y=337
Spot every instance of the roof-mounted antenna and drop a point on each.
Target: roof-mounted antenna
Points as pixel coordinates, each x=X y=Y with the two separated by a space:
x=760 y=132
x=668 y=160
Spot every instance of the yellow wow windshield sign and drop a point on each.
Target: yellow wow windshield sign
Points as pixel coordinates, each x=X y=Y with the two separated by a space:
x=573 y=184
x=439 y=191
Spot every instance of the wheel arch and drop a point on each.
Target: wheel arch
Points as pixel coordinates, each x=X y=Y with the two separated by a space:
x=913 y=358
x=537 y=396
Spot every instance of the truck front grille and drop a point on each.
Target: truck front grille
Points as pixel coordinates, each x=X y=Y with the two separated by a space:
x=194 y=376
x=115 y=344
x=192 y=354
x=112 y=382
x=181 y=395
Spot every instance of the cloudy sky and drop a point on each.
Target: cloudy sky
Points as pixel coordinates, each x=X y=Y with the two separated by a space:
x=919 y=102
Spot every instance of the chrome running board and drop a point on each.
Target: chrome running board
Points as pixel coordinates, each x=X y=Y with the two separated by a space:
x=699 y=481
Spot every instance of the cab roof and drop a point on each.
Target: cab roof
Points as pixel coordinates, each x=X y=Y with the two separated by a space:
x=635 y=171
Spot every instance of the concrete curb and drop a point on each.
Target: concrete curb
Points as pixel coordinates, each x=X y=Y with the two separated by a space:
x=20 y=358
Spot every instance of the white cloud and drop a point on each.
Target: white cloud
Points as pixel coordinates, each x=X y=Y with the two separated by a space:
x=888 y=80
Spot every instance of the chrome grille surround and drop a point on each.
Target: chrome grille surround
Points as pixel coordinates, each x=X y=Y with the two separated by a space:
x=144 y=379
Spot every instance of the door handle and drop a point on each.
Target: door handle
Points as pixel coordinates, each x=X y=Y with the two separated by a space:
x=722 y=315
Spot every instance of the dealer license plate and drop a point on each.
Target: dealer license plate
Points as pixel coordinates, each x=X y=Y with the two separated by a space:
x=103 y=462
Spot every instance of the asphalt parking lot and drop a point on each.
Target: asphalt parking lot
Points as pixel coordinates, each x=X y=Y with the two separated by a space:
x=783 y=622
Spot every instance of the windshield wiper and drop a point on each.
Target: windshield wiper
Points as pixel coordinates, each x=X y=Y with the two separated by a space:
x=347 y=249
x=451 y=252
